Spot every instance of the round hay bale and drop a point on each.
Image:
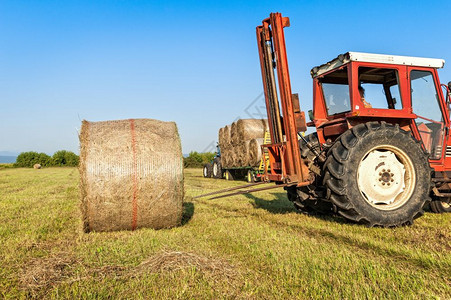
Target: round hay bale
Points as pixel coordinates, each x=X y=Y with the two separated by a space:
x=37 y=166
x=255 y=151
x=221 y=136
x=233 y=158
x=243 y=154
x=131 y=174
x=224 y=158
x=226 y=135
x=234 y=138
x=247 y=129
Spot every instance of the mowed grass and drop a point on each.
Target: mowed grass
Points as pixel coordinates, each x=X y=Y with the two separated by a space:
x=253 y=246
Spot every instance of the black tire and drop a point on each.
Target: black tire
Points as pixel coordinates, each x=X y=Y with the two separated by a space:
x=440 y=206
x=309 y=199
x=341 y=175
x=229 y=175
x=250 y=177
x=216 y=168
x=207 y=170
x=294 y=196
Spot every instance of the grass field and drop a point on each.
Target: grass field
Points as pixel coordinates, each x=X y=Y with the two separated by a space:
x=254 y=246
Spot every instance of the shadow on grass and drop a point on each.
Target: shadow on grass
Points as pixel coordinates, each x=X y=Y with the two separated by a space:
x=188 y=212
x=280 y=204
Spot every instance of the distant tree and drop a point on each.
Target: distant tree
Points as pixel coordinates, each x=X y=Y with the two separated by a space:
x=29 y=159
x=65 y=158
x=197 y=160
x=72 y=159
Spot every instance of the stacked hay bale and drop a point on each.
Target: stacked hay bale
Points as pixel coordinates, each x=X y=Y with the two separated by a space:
x=131 y=174
x=240 y=142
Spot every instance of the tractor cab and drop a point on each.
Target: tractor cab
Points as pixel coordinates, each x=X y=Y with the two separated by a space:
x=360 y=87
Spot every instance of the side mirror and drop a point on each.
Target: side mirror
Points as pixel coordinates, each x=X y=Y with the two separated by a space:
x=310 y=115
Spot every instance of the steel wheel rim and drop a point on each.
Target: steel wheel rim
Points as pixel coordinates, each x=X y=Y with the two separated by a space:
x=205 y=171
x=215 y=169
x=386 y=177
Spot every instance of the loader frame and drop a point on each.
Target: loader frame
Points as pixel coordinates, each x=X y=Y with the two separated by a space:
x=285 y=118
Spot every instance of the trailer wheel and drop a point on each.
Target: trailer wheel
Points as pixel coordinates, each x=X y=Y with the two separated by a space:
x=378 y=175
x=228 y=175
x=439 y=206
x=217 y=170
x=250 y=176
x=207 y=170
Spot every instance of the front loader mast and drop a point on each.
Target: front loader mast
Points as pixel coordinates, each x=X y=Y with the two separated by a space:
x=286 y=167
x=285 y=119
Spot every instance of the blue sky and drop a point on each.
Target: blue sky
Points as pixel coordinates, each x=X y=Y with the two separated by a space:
x=192 y=62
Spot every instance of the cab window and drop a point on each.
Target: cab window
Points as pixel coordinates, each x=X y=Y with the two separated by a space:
x=426 y=105
x=336 y=92
x=379 y=88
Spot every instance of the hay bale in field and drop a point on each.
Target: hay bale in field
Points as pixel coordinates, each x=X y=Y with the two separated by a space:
x=234 y=138
x=235 y=141
x=243 y=154
x=224 y=159
x=226 y=135
x=221 y=136
x=255 y=152
x=131 y=174
x=247 y=129
x=37 y=166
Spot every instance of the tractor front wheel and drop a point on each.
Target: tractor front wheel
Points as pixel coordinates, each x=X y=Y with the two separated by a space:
x=377 y=174
x=309 y=199
x=440 y=206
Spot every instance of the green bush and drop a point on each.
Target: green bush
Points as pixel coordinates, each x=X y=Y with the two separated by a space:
x=60 y=158
x=65 y=158
x=29 y=159
x=197 y=160
x=6 y=166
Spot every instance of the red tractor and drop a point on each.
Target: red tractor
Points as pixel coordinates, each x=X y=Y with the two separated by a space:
x=381 y=151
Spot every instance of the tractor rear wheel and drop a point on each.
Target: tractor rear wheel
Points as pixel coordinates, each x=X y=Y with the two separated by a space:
x=309 y=199
x=378 y=175
x=207 y=170
x=440 y=206
x=217 y=170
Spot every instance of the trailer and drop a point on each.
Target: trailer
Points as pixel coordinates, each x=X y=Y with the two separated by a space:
x=215 y=169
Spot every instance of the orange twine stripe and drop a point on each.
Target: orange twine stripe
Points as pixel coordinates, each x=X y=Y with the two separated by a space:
x=135 y=176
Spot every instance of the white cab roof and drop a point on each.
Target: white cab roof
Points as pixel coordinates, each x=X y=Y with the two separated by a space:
x=377 y=58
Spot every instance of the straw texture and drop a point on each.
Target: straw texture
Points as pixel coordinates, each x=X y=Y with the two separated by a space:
x=131 y=174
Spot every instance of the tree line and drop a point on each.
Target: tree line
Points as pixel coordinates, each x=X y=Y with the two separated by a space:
x=66 y=158
x=197 y=160
x=61 y=158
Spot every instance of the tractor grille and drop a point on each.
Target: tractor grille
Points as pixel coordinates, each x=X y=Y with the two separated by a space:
x=448 y=150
